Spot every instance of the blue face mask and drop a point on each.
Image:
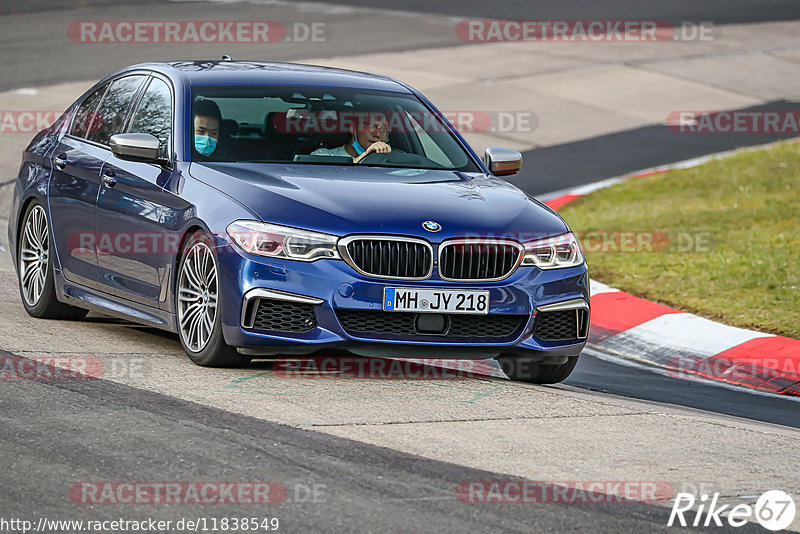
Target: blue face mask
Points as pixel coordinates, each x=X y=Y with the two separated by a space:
x=357 y=147
x=204 y=144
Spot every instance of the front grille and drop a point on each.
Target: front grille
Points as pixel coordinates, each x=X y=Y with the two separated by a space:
x=280 y=316
x=390 y=258
x=389 y=324
x=478 y=261
x=562 y=325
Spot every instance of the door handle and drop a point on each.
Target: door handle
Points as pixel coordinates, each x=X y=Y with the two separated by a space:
x=60 y=161
x=109 y=178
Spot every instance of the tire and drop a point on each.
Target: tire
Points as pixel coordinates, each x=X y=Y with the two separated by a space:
x=197 y=305
x=525 y=370
x=37 y=287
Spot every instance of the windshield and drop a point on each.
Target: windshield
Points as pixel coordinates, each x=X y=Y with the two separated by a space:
x=321 y=126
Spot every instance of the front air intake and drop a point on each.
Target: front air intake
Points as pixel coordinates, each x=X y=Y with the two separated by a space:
x=562 y=325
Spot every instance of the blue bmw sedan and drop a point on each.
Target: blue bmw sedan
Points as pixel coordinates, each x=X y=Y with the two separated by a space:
x=265 y=209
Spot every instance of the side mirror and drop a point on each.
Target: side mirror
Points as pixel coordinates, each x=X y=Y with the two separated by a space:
x=136 y=146
x=502 y=161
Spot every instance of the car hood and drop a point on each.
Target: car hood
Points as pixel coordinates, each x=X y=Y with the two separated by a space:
x=348 y=200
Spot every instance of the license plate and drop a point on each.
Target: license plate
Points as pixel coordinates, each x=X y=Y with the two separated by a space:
x=436 y=300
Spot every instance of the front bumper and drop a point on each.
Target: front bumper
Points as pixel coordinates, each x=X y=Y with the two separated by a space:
x=328 y=290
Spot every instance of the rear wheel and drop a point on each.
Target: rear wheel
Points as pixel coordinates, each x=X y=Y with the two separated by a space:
x=37 y=285
x=197 y=303
x=526 y=370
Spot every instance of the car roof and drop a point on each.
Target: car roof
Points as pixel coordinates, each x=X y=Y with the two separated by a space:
x=224 y=72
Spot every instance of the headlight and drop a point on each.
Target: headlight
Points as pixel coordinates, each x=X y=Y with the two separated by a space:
x=553 y=252
x=282 y=241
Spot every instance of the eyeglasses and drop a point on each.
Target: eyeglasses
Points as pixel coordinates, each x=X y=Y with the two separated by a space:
x=379 y=128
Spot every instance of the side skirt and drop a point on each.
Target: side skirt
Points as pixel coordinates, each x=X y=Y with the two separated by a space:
x=93 y=300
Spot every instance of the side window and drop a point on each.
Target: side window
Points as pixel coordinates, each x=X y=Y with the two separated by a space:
x=86 y=113
x=113 y=109
x=154 y=115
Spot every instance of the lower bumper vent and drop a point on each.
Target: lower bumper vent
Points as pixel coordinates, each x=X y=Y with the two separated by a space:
x=562 y=325
x=279 y=316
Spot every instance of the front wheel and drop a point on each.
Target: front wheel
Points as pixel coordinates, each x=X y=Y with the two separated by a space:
x=37 y=285
x=525 y=370
x=197 y=303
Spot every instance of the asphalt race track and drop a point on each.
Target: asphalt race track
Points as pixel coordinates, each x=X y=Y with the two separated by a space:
x=359 y=485
x=383 y=455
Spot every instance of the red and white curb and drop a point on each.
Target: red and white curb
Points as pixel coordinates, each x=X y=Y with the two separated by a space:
x=685 y=345
x=688 y=346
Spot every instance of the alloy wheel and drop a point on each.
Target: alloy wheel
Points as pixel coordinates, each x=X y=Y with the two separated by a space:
x=34 y=252
x=197 y=296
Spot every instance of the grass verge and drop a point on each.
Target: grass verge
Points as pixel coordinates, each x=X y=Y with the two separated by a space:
x=721 y=240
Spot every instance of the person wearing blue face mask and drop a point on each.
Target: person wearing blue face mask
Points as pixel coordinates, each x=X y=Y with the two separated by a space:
x=207 y=120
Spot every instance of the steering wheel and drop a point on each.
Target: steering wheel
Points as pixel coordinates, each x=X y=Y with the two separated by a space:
x=374 y=157
x=395 y=157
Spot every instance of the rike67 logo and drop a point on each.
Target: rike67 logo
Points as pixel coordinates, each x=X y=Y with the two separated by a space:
x=774 y=510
